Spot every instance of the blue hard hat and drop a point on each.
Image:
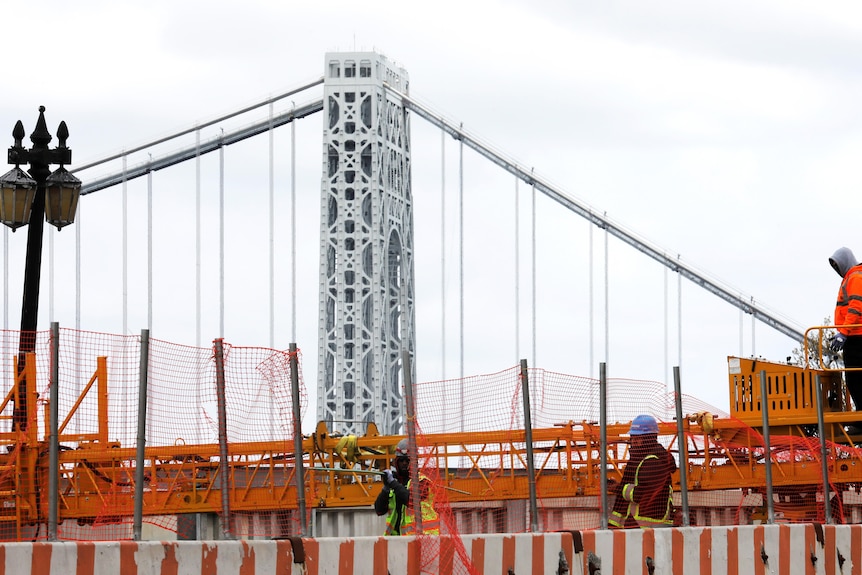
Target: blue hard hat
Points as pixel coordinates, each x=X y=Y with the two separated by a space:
x=643 y=424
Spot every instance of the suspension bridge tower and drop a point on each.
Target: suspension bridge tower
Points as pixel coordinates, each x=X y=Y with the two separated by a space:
x=366 y=245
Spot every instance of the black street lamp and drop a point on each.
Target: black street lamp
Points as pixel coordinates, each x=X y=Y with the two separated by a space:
x=32 y=199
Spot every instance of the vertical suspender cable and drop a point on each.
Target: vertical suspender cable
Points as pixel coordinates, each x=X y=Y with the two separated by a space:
x=443 y=256
x=461 y=261
x=271 y=233
x=753 y=346
x=51 y=274
x=221 y=236
x=293 y=229
x=5 y=281
x=198 y=238
x=443 y=266
x=592 y=305
x=79 y=223
x=125 y=250
x=145 y=351
x=5 y=278
x=533 y=255
x=607 y=305
x=140 y=460
x=272 y=407
x=407 y=270
x=666 y=331
x=125 y=235
x=150 y=251
x=741 y=316
x=679 y=317
x=517 y=269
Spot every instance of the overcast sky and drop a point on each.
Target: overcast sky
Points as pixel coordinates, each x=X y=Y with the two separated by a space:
x=726 y=133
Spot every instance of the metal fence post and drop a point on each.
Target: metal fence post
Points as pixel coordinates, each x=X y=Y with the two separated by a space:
x=224 y=464
x=682 y=444
x=54 y=445
x=603 y=441
x=143 y=378
x=415 y=493
x=299 y=456
x=528 y=439
x=824 y=454
x=767 y=456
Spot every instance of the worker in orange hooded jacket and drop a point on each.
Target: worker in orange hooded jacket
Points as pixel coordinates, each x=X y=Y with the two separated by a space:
x=848 y=312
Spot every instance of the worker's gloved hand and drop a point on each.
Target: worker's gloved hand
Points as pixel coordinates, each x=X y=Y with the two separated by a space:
x=836 y=344
x=388 y=478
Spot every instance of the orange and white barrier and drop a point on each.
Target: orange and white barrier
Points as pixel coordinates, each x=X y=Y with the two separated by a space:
x=782 y=549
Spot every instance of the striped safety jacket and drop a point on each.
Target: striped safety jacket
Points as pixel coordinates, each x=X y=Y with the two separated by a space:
x=401 y=518
x=645 y=495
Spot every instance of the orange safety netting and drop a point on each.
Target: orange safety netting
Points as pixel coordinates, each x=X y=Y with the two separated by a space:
x=725 y=472
x=202 y=479
x=98 y=389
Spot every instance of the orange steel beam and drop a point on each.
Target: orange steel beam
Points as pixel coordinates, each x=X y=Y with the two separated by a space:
x=100 y=377
x=98 y=478
x=477 y=466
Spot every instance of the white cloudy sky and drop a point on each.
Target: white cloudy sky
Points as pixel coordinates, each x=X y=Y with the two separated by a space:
x=727 y=133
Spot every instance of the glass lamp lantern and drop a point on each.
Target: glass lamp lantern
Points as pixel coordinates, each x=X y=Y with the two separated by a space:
x=61 y=197
x=17 y=190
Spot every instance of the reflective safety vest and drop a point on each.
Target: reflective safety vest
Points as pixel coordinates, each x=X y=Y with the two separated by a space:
x=847 y=306
x=617 y=519
x=430 y=520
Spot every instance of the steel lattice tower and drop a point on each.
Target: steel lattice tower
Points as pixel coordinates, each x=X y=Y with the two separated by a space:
x=366 y=315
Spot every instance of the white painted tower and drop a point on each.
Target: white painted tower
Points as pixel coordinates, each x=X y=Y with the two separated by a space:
x=366 y=315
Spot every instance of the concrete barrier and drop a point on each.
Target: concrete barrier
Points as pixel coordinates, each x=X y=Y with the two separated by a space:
x=782 y=549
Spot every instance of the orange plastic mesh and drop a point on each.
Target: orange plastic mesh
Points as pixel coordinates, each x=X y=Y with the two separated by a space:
x=98 y=438
x=472 y=439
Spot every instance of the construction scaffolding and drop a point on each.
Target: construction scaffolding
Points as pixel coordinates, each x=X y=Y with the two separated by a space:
x=220 y=437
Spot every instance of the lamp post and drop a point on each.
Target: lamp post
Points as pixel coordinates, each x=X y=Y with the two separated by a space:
x=31 y=200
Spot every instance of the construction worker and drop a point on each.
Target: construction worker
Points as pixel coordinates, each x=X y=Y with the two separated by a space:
x=848 y=311
x=644 y=495
x=395 y=498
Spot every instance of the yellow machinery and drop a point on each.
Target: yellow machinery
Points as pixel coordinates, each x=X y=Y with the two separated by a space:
x=791 y=397
x=97 y=478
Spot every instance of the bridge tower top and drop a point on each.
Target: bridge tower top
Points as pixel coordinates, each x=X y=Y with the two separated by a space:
x=366 y=256
x=351 y=68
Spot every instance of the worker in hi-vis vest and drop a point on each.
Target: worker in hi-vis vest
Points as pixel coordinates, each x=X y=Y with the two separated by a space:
x=848 y=315
x=644 y=495
x=394 y=499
